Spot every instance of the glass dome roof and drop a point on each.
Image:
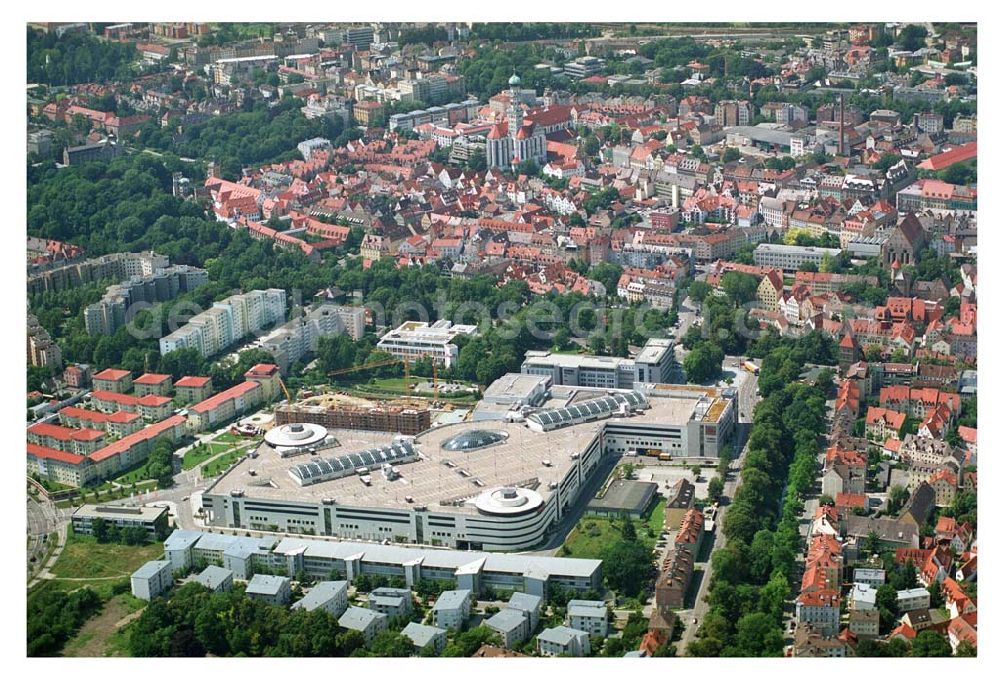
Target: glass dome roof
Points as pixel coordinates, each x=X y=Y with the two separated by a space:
x=473 y=439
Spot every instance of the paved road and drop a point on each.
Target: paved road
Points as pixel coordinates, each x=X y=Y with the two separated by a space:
x=747 y=400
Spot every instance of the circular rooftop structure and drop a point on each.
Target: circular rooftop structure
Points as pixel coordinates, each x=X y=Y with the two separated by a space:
x=470 y=440
x=295 y=435
x=508 y=501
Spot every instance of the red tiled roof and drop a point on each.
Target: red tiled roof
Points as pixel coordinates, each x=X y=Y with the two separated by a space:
x=59 y=432
x=261 y=370
x=151 y=379
x=111 y=375
x=217 y=399
x=949 y=158
x=129 y=441
x=122 y=417
x=51 y=454
x=109 y=396
x=84 y=414
x=193 y=382
x=154 y=400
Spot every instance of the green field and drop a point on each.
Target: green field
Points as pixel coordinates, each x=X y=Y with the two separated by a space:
x=593 y=535
x=84 y=557
x=220 y=463
x=223 y=443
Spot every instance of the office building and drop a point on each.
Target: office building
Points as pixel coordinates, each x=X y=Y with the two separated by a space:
x=318 y=559
x=790 y=257
x=655 y=363
x=414 y=340
x=152 y=520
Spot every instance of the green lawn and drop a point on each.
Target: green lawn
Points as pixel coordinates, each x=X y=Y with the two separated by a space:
x=592 y=535
x=219 y=465
x=84 y=557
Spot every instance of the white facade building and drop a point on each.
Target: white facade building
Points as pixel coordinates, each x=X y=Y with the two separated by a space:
x=412 y=340
x=152 y=579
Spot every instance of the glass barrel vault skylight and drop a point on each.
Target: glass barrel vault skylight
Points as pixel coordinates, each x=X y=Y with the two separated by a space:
x=325 y=469
x=589 y=410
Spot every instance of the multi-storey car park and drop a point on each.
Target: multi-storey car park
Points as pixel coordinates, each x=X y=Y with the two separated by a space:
x=499 y=485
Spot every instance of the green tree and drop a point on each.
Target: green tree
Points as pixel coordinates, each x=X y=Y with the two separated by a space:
x=703 y=363
x=391 y=644
x=699 y=290
x=628 y=566
x=715 y=489
x=928 y=643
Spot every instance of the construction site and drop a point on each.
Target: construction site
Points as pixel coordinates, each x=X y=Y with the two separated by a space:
x=406 y=406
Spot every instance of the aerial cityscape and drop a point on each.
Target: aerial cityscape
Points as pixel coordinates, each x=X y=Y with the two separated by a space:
x=392 y=339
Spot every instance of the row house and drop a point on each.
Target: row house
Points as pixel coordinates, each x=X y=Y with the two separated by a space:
x=919 y=402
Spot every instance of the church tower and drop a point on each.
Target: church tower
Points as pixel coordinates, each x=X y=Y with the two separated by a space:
x=514 y=113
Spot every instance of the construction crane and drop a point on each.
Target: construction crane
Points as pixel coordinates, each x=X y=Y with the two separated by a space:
x=373 y=365
x=284 y=389
x=387 y=363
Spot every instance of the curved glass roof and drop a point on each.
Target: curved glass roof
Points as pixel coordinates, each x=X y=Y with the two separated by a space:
x=473 y=439
x=324 y=469
x=589 y=410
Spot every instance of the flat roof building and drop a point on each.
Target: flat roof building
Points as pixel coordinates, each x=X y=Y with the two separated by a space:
x=152 y=520
x=485 y=485
x=623 y=496
x=413 y=340
x=655 y=363
x=790 y=257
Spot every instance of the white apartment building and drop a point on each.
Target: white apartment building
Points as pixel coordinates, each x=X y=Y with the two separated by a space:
x=413 y=340
x=914 y=598
x=227 y=322
x=563 y=641
x=299 y=338
x=369 y=623
x=590 y=616
x=329 y=596
x=152 y=579
x=452 y=609
x=511 y=625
